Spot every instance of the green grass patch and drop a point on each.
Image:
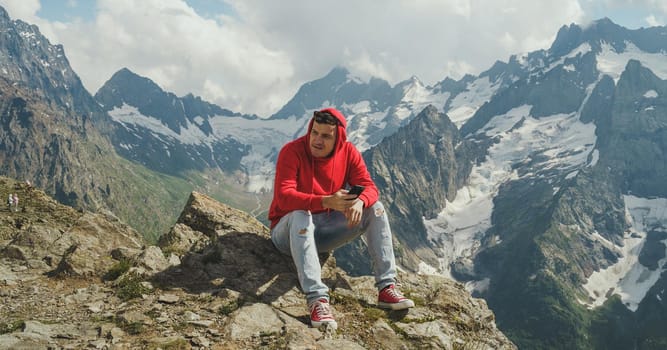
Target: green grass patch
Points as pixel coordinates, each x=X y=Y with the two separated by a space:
x=132 y=328
x=181 y=327
x=338 y=298
x=12 y=326
x=117 y=270
x=231 y=306
x=130 y=287
x=419 y=300
x=153 y=313
x=373 y=314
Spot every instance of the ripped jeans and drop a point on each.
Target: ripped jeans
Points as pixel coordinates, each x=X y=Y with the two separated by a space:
x=303 y=235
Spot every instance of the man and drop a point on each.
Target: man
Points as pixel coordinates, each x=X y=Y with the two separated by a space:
x=312 y=212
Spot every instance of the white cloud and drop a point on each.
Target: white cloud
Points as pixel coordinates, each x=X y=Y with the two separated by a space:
x=255 y=59
x=25 y=9
x=399 y=38
x=182 y=52
x=653 y=21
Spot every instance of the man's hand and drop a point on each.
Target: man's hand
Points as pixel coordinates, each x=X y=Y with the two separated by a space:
x=340 y=201
x=353 y=213
x=348 y=204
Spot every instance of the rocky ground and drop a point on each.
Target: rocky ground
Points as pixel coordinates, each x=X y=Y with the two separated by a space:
x=72 y=280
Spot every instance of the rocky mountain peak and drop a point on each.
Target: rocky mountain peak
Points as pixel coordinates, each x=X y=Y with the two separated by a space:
x=124 y=76
x=126 y=87
x=602 y=30
x=164 y=132
x=568 y=37
x=338 y=73
x=29 y=59
x=417 y=170
x=214 y=279
x=605 y=32
x=4 y=16
x=337 y=88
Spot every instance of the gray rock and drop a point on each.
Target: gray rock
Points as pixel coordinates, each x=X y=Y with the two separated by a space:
x=251 y=320
x=153 y=260
x=96 y=306
x=168 y=298
x=38 y=330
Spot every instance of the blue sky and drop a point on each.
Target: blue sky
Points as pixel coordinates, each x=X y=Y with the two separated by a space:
x=251 y=56
x=68 y=10
x=630 y=14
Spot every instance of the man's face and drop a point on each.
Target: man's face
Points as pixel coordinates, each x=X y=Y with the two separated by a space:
x=322 y=139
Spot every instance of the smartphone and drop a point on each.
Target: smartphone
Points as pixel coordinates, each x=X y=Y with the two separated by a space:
x=356 y=189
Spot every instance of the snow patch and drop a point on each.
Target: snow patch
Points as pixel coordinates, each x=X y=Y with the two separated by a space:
x=651 y=94
x=561 y=142
x=613 y=63
x=465 y=104
x=628 y=278
x=478 y=286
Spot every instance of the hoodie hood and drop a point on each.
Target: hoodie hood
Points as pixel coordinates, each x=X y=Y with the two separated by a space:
x=341 y=134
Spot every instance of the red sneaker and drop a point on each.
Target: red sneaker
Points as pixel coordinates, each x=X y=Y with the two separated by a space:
x=320 y=313
x=391 y=298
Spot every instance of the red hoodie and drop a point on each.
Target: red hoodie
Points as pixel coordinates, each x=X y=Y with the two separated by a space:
x=302 y=180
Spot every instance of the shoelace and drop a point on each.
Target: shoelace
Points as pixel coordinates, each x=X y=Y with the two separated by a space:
x=322 y=309
x=395 y=293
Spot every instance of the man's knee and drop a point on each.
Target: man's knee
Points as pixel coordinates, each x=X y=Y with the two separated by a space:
x=377 y=209
x=301 y=220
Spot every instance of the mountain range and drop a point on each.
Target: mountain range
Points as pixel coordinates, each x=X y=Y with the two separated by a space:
x=539 y=183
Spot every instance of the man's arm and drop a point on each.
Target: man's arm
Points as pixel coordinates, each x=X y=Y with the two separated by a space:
x=359 y=175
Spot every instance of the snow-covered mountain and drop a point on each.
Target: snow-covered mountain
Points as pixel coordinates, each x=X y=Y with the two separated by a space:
x=158 y=129
x=166 y=133
x=566 y=210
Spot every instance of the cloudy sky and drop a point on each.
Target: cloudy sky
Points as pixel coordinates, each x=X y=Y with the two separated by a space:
x=251 y=56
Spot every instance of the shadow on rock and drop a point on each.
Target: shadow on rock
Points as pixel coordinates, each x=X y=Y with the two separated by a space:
x=241 y=261
x=223 y=248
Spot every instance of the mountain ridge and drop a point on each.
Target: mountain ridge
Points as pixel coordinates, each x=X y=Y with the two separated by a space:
x=150 y=108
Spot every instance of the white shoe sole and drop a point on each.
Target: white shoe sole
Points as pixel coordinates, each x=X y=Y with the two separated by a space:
x=406 y=304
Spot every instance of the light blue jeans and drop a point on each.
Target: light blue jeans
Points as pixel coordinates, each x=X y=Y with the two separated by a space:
x=303 y=235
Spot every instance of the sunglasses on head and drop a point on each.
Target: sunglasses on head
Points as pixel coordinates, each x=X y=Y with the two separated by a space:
x=325 y=118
